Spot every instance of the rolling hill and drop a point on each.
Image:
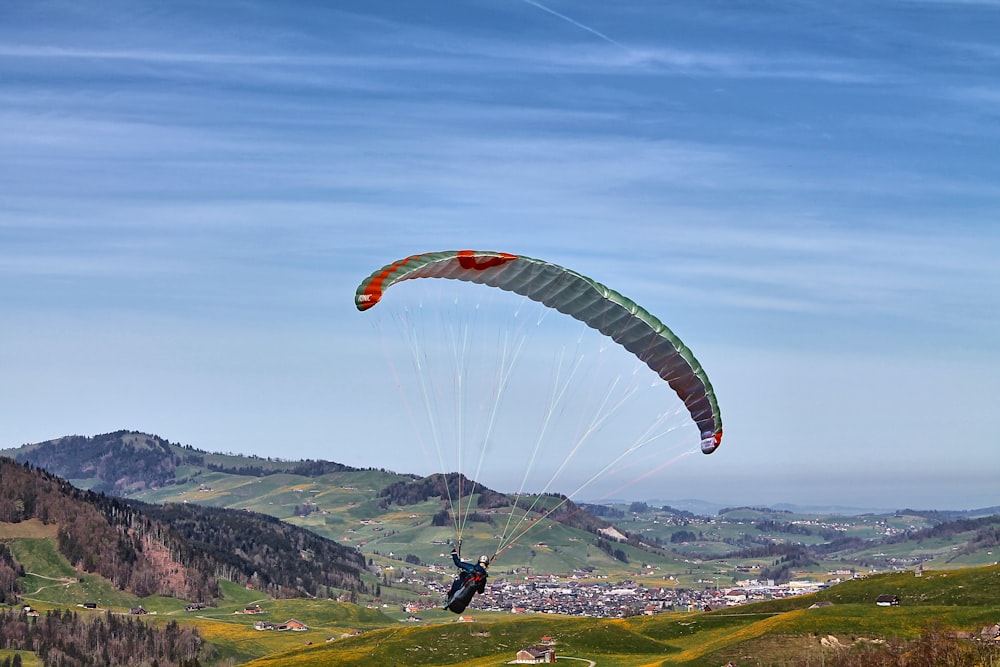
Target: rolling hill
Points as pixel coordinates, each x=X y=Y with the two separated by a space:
x=387 y=515
x=397 y=518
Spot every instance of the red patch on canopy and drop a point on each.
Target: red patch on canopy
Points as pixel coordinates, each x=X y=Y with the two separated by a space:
x=470 y=259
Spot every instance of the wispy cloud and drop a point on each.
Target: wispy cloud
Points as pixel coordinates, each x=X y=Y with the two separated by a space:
x=986 y=98
x=68 y=53
x=488 y=56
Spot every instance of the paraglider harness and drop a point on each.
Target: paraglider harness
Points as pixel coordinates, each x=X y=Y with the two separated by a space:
x=472 y=580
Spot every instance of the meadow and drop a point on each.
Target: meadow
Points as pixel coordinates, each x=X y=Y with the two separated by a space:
x=771 y=632
x=775 y=632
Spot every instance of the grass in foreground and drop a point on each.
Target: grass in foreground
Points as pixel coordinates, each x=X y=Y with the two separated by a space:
x=760 y=634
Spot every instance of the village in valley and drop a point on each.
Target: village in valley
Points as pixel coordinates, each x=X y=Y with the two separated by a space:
x=690 y=574
x=551 y=594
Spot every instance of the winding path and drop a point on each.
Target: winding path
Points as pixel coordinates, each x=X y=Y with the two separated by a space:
x=63 y=581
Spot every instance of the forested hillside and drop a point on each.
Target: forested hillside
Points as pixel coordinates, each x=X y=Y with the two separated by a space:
x=249 y=548
x=102 y=535
x=137 y=548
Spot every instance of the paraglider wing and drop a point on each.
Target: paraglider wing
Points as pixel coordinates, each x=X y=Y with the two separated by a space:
x=592 y=303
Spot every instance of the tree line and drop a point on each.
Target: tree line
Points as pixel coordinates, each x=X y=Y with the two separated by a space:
x=306 y=468
x=451 y=486
x=612 y=550
x=62 y=638
x=986 y=525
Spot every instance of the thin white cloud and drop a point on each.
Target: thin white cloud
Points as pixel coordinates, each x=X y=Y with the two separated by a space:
x=438 y=55
x=244 y=59
x=985 y=98
x=66 y=53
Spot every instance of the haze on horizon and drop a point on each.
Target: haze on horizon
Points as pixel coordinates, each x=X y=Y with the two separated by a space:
x=806 y=194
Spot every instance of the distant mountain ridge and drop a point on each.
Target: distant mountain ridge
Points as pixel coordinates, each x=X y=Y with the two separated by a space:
x=708 y=508
x=115 y=463
x=125 y=462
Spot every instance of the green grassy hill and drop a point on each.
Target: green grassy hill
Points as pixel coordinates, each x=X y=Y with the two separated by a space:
x=788 y=631
x=335 y=501
x=344 y=504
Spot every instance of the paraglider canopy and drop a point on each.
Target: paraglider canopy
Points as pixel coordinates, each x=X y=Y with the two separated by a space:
x=599 y=307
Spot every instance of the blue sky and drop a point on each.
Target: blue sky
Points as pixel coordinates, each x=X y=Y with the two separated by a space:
x=808 y=193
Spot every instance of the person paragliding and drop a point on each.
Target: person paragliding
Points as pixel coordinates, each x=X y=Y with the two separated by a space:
x=471 y=580
x=603 y=309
